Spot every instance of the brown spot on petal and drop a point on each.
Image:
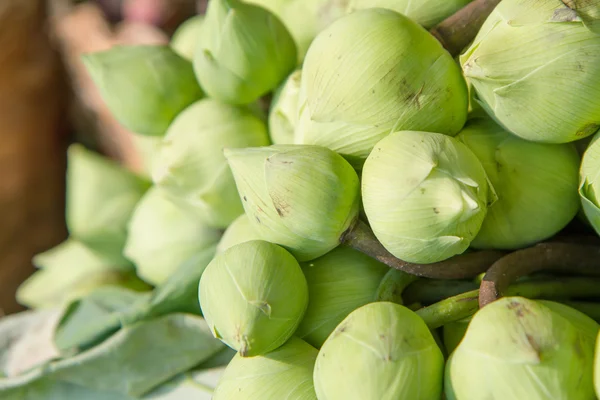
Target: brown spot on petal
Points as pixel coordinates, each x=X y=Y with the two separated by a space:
x=519 y=309
x=341 y=329
x=534 y=345
x=281 y=206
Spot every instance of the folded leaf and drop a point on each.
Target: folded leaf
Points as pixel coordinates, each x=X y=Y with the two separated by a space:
x=91 y=320
x=132 y=362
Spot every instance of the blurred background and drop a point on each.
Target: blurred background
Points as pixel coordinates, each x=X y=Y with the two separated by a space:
x=47 y=101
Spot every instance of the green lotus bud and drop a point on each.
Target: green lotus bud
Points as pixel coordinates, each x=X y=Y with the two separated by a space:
x=305 y=18
x=144 y=87
x=425 y=195
x=285 y=373
x=239 y=231
x=517 y=348
x=338 y=283
x=380 y=351
x=185 y=39
x=581 y=321
x=190 y=165
x=245 y=52
x=162 y=235
x=427 y=13
x=536 y=184
x=517 y=83
x=253 y=296
x=146 y=148
x=589 y=183
x=300 y=197
x=454 y=332
x=284 y=110
x=407 y=82
x=101 y=197
x=70 y=271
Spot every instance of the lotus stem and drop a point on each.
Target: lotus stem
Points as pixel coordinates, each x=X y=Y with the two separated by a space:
x=457 y=31
x=449 y=310
x=557 y=288
x=590 y=309
x=463 y=305
x=581 y=259
x=360 y=237
x=429 y=291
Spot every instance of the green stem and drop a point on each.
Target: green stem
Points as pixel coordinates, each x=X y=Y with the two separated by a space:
x=428 y=291
x=451 y=309
x=557 y=288
x=392 y=286
x=590 y=309
x=466 y=304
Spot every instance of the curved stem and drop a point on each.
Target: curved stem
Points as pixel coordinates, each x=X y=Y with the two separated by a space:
x=449 y=310
x=573 y=258
x=361 y=238
x=590 y=309
x=466 y=304
x=392 y=286
x=457 y=31
x=557 y=288
x=428 y=291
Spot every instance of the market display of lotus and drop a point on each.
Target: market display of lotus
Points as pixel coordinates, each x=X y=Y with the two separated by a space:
x=369 y=200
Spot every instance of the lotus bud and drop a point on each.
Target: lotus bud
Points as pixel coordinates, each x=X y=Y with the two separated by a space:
x=191 y=167
x=373 y=72
x=70 y=271
x=101 y=197
x=239 y=231
x=380 y=351
x=284 y=110
x=516 y=348
x=300 y=197
x=338 y=283
x=536 y=184
x=425 y=195
x=589 y=183
x=244 y=52
x=285 y=373
x=517 y=83
x=147 y=148
x=427 y=13
x=144 y=87
x=162 y=235
x=304 y=18
x=253 y=296
x=185 y=39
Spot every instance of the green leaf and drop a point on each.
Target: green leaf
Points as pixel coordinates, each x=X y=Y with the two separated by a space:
x=92 y=319
x=26 y=340
x=132 y=362
x=197 y=384
x=49 y=389
x=180 y=292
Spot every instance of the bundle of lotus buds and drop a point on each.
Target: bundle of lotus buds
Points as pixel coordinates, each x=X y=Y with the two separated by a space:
x=370 y=200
